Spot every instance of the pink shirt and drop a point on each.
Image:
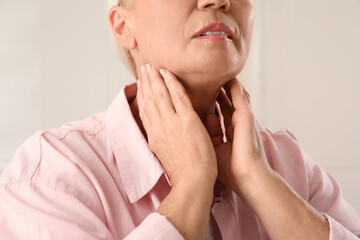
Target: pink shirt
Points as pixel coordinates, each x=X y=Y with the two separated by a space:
x=98 y=179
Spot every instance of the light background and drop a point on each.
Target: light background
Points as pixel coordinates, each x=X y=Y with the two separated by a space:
x=57 y=64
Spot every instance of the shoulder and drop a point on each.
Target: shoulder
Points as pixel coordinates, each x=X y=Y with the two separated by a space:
x=282 y=143
x=51 y=148
x=65 y=166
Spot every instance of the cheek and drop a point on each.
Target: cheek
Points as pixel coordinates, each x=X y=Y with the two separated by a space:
x=149 y=41
x=243 y=13
x=158 y=34
x=164 y=46
x=246 y=19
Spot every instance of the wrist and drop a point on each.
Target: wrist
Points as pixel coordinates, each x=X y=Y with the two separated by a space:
x=187 y=205
x=255 y=184
x=190 y=180
x=203 y=185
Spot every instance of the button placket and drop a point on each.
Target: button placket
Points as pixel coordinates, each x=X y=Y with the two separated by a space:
x=225 y=216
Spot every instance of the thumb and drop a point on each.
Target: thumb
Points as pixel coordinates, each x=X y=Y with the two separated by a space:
x=213 y=126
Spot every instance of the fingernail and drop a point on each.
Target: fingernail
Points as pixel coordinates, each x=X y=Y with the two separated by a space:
x=148 y=67
x=162 y=72
x=143 y=69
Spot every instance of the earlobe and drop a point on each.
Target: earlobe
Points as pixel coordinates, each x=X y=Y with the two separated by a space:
x=120 y=28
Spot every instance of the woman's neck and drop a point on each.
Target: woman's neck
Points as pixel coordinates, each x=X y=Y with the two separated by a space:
x=203 y=101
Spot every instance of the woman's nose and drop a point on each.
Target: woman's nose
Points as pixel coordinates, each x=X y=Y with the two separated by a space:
x=207 y=4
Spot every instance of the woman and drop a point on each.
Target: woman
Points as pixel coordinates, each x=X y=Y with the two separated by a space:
x=175 y=156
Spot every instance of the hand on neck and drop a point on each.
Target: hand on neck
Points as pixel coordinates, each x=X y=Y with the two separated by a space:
x=203 y=102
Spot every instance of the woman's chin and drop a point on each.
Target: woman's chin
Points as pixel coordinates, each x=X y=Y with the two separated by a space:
x=217 y=71
x=223 y=66
x=206 y=80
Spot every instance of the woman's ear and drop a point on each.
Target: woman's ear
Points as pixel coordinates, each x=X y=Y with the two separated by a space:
x=120 y=28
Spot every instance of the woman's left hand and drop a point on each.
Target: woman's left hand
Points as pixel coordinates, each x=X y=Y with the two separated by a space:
x=241 y=158
x=243 y=167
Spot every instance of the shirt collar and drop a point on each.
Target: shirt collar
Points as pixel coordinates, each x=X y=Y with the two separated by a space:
x=138 y=166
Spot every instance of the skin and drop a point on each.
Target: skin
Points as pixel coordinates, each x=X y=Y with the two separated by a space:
x=197 y=64
x=173 y=108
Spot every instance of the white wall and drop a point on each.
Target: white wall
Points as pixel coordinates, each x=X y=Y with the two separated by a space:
x=57 y=64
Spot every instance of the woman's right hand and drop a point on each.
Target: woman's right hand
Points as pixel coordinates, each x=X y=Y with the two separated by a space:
x=175 y=132
x=182 y=144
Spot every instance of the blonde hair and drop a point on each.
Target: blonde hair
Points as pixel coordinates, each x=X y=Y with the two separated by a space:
x=125 y=56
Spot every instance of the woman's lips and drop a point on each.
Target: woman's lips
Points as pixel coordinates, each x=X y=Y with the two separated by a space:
x=213 y=37
x=215 y=27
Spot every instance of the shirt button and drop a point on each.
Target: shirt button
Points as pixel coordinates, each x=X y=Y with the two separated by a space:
x=219 y=198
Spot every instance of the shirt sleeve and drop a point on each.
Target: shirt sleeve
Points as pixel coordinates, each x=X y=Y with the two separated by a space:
x=155 y=226
x=35 y=211
x=338 y=231
x=326 y=197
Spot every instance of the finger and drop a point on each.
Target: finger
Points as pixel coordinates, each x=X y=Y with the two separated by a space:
x=149 y=108
x=180 y=99
x=227 y=90
x=161 y=94
x=247 y=95
x=146 y=121
x=238 y=97
x=227 y=111
x=221 y=119
x=261 y=152
x=213 y=126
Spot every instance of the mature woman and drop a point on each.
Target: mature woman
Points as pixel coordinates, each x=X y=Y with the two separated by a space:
x=177 y=155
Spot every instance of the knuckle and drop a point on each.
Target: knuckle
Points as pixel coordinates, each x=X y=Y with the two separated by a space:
x=141 y=113
x=244 y=115
x=149 y=98
x=144 y=116
x=160 y=96
x=151 y=144
x=178 y=97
